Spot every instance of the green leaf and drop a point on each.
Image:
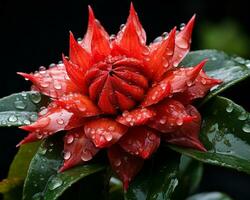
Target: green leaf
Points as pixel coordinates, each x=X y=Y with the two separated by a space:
x=21 y=108
x=210 y=196
x=190 y=174
x=230 y=70
x=43 y=180
x=226 y=135
x=158 y=179
x=12 y=186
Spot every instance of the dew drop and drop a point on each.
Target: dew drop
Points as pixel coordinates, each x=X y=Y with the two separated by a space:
x=42 y=70
x=162 y=121
x=246 y=128
x=52 y=65
x=182 y=26
x=67 y=155
x=12 y=118
x=43 y=151
x=108 y=136
x=57 y=86
x=243 y=116
x=86 y=155
x=122 y=26
x=70 y=139
x=20 y=105
x=164 y=34
x=117 y=163
x=26 y=121
x=189 y=83
x=179 y=122
x=229 y=108
x=60 y=121
x=33 y=117
x=55 y=183
x=158 y=39
x=35 y=97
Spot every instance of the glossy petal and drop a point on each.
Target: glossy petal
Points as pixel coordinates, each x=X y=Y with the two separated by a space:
x=124 y=164
x=199 y=89
x=161 y=55
x=79 y=104
x=182 y=42
x=131 y=39
x=170 y=115
x=75 y=73
x=106 y=100
x=53 y=82
x=188 y=134
x=157 y=93
x=78 y=55
x=182 y=78
x=135 y=117
x=77 y=149
x=104 y=132
x=140 y=141
x=56 y=119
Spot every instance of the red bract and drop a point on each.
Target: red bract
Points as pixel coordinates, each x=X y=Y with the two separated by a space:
x=118 y=93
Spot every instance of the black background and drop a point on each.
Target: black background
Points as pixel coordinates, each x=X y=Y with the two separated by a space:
x=35 y=33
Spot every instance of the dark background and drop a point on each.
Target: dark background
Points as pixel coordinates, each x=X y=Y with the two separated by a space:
x=35 y=33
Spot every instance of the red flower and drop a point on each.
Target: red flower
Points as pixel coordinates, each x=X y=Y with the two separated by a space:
x=118 y=93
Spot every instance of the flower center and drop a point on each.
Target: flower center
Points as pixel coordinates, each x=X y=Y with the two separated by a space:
x=118 y=83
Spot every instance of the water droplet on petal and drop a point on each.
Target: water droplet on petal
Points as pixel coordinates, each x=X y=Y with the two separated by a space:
x=108 y=136
x=158 y=39
x=55 y=183
x=67 y=155
x=70 y=139
x=86 y=155
x=182 y=26
x=122 y=26
x=117 y=162
x=179 y=122
x=60 y=121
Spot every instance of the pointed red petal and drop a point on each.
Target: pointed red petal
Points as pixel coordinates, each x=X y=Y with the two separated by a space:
x=124 y=164
x=199 y=89
x=77 y=149
x=106 y=99
x=188 y=134
x=86 y=42
x=104 y=132
x=78 y=55
x=56 y=119
x=75 y=73
x=170 y=115
x=140 y=141
x=156 y=93
x=124 y=102
x=182 y=42
x=161 y=55
x=182 y=78
x=53 y=82
x=79 y=104
x=135 y=117
x=131 y=39
x=135 y=92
